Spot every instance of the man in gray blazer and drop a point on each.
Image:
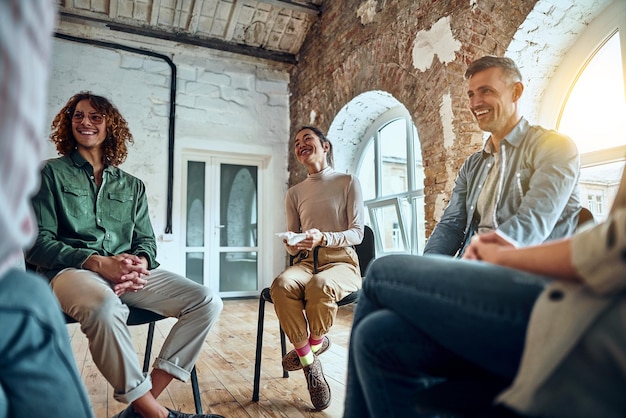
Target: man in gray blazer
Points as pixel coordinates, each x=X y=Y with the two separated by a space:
x=522 y=184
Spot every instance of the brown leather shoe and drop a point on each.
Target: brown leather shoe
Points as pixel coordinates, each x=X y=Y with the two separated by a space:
x=291 y=361
x=317 y=385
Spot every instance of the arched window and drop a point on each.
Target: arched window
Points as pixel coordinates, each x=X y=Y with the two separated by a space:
x=592 y=109
x=392 y=177
x=594 y=115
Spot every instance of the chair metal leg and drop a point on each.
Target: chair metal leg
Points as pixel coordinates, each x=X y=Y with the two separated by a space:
x=146 y=357
x=194 y=377
x=283 y=348
x=259 y=345
x=196 y=391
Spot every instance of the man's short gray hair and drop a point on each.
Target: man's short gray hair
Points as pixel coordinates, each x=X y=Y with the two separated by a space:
x=489 y=61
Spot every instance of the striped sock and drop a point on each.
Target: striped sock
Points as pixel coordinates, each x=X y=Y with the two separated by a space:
x=306 y=355
x=316 y=344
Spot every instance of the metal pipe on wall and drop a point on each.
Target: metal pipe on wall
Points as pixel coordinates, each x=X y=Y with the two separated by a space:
x=172 y=117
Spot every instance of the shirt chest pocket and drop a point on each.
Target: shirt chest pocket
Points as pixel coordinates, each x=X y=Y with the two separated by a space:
x=76 y=201
x=121 y=206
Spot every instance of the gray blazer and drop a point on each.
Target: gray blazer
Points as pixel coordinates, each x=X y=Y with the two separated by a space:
x=539 y=200
x=574 y=362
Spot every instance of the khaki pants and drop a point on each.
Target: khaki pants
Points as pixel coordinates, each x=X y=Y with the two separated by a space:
x=88 y=298
x=301 y=297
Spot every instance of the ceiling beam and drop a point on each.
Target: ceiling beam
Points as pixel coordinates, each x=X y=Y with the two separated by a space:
x=235 y=11
x=217 y=44
x=194 y=21
x=154 y=12
x=113 y=9
x=309 y=9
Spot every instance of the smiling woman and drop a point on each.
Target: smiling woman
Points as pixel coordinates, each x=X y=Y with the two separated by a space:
x=327 y=208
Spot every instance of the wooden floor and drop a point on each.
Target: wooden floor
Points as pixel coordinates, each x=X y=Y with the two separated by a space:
x=226 y=368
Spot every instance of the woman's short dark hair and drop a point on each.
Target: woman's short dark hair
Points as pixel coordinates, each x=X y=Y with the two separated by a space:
x=329 y=156
x=489 y=61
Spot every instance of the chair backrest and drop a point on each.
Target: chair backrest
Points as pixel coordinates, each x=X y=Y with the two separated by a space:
x=366 y=250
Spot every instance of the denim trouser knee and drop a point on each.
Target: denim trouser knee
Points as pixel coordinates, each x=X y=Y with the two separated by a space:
x=422 y=320
x=38 y=374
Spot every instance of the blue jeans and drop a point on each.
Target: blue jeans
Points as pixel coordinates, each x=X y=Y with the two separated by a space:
x=38 y=374
x=427 y=321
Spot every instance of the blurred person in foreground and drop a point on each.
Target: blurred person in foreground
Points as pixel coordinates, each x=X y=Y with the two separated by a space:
x=538 y=331
x=38 y=374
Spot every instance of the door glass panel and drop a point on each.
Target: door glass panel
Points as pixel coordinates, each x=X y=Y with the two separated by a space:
x=238 y=271
x=195 y=203
x=238 y=228
x=238 y=206
x=195 y=267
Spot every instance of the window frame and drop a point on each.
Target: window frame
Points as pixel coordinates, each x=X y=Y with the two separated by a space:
x=611 y=21
x=410 y=236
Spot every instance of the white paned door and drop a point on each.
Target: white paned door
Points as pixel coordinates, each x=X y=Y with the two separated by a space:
x=221 y=240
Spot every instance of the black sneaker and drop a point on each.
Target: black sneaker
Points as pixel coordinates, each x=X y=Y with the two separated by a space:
x=129 y=412
x=178 y=414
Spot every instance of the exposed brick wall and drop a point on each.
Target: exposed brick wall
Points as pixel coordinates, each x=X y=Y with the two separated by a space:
x=342 y=57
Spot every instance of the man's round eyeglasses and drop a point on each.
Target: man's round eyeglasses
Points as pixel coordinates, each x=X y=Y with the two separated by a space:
x=95 y=118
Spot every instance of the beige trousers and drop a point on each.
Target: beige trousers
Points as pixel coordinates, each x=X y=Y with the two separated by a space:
x=305 y=301
x=88 y=298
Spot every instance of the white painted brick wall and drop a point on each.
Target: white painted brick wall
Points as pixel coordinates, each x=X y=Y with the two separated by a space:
x=221 y=101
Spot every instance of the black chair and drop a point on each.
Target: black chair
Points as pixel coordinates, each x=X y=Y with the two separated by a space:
x=140 y=316
x=585 y=216
x=366 y=252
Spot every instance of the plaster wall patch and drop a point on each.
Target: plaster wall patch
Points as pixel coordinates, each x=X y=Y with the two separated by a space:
x=447 y=119
x=367 y=11
x=437 y=41
x=442 y=200
x=440 y=205
x=312 y=117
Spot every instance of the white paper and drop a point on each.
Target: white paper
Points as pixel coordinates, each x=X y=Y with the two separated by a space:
x=292 y=237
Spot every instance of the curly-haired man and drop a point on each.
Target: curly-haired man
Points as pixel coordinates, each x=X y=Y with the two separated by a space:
x=96 y=245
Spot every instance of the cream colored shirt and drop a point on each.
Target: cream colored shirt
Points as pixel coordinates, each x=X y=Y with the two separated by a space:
x=331 y=202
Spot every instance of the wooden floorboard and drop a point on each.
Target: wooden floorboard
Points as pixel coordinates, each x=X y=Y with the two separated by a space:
x=225 y=368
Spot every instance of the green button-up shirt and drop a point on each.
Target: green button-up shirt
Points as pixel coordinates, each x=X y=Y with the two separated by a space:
x=77 y=219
